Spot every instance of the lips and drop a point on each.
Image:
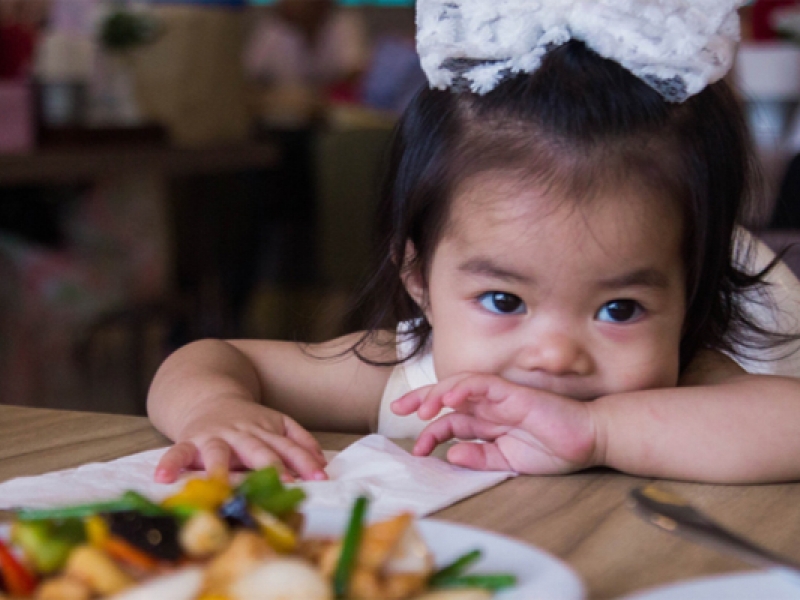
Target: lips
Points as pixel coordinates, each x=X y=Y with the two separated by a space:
x=567 y=386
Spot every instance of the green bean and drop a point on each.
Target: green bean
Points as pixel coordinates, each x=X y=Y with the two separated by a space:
x=457 y=567
x=130 y=500
x=488 y=581
x=350 y=545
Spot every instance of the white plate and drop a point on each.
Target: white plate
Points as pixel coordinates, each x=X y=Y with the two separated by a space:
x=539 y=574
x=759 y=585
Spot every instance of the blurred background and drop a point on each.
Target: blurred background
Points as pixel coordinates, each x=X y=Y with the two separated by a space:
x=172 y=170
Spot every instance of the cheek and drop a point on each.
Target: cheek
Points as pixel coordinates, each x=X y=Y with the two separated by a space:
x=459 y=350
x=451 y=355
x=658 y=368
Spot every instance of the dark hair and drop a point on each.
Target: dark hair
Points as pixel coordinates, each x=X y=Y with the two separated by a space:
x=580 y=123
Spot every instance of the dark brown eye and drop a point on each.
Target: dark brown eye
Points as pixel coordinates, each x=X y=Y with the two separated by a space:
x=502 y=303
x=620 y=311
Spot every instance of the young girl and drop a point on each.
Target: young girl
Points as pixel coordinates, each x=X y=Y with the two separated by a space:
x=562 y=279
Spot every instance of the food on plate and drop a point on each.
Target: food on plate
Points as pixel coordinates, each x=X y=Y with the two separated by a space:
x=215 y=541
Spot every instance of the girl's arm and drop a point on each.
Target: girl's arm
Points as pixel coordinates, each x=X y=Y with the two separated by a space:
x=720 y=425
x=242 y=403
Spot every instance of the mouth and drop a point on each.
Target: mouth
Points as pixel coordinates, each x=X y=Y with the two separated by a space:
x=568 y=386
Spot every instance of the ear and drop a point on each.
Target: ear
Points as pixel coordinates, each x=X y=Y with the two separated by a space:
x=413 y=280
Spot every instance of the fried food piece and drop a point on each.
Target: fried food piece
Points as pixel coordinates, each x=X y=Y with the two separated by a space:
x=246 y=550
x=63 y=588
x=96 y=569
x=460 y=594
x=204 y=535
x=281 y=579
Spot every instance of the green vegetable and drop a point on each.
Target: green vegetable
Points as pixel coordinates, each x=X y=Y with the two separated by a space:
x=350 y=544
x=47 y=544
x=453 y=575
x=264 y=489
x=489 y=581
x=260 y=484
x=130 y=500
x=455 y=568
x=283 y=502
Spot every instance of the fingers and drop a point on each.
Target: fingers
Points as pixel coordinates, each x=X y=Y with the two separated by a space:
x=481 y=457
x=298 y=452
x=298 y=434
x=181 y=456
x=428 y=401
x=215 y=457
x=487 y=397
x=455 y=425
x=409 y=403
x=254 y=452
x=310 y=462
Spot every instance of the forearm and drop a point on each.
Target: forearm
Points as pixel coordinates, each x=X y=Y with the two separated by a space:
x=743 y=431
x=196 y=378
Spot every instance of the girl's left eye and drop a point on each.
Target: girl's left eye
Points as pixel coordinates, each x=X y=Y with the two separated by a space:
x=502 y=303
x=620 y=311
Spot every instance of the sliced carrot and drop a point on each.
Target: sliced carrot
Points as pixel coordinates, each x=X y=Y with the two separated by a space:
x=120 y=550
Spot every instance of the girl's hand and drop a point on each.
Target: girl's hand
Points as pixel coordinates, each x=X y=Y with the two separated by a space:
x=526 y=430
x=239 y=433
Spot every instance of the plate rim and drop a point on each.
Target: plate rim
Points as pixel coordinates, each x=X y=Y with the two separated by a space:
x=692 y=584
x=556 y=565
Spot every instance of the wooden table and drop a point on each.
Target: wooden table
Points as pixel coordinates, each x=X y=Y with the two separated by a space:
x=582 y=519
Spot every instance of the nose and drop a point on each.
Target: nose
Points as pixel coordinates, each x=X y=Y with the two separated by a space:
x=555 y=353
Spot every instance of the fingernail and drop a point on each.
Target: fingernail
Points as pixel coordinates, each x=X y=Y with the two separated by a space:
x=220 y=473
x=161 y=475
x=319 y=475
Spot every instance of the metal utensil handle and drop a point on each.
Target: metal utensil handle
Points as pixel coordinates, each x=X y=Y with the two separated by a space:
x=675 y=515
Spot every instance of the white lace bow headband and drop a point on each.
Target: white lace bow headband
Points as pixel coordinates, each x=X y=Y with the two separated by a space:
x=676 y=46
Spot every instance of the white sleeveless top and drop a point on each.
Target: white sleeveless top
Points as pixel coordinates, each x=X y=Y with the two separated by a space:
x=777 y=310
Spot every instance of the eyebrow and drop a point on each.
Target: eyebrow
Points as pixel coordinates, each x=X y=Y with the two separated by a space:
x=487 y=268
x=646 y=277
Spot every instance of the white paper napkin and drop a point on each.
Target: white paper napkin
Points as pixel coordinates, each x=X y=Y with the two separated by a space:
x=394 y=479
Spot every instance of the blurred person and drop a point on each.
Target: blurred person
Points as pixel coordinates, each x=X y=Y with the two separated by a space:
x=306 y=53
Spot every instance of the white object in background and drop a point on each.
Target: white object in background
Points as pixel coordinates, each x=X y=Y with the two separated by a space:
x=112 y=91
x=768 y=70
x=73 y=16
x=63 y=67
x=768 y=77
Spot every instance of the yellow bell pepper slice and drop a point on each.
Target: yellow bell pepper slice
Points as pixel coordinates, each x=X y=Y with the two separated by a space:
x=277 y=533
x=97 y=530
x=207 y=494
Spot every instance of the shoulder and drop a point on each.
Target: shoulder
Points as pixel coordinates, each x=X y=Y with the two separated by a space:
x=710 y=367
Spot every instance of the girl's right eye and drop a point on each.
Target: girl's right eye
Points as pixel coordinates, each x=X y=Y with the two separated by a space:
x=502 y=303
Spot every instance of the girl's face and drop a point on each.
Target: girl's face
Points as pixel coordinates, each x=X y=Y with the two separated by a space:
x=582 y=301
